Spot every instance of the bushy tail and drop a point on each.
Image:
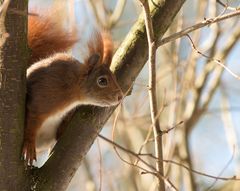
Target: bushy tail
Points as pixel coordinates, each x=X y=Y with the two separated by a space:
x=47 y=36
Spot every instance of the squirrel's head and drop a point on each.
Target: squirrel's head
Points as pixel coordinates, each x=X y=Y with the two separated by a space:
x=101 y=85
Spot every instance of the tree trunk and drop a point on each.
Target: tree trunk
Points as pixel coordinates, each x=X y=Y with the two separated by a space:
x=13 y=59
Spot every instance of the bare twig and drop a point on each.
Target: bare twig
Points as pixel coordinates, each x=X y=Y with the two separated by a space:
x=222 y=171
x=171 y=128
x=107 y=20
x=227 y=6
x=199 y=25
x=138 y=156
x=151 y=127
x=114 y=18
x=213 y=59
x=195 y=171
x=3 y=33
x=154 y=171
x=192 y=117
x=230 y=132
x=202 y=173
x=96 y=13
x=100 y=165
x=4 y=7
x=219 y=70
x=152 y=91
x=147 y=139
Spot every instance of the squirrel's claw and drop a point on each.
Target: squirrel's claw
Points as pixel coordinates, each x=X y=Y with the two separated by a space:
x=29 y=152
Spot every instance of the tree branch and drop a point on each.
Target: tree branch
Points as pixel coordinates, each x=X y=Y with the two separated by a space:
x=153 y=93
x=197 y=26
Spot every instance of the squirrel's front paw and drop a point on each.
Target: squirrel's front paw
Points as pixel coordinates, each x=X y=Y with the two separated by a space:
x=29 y=152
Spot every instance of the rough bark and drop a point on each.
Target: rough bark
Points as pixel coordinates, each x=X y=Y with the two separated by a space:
x=88 y=121
x=13 y=59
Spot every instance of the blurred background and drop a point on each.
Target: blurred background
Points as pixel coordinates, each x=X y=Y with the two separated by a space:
x=197 y=97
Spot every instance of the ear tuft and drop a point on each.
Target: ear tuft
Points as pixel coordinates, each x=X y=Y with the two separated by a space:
x=108 y=48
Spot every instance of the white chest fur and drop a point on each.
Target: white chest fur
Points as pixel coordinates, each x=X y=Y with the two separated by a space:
x=46 y=136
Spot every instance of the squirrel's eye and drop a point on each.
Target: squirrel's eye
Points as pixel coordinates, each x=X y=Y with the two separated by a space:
x=102 y=81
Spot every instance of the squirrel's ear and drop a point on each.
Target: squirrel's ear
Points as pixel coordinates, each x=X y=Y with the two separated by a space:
x=93 y=61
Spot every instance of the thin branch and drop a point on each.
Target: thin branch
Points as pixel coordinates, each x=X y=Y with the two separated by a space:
x=107 y=20
x=219 y=70
x=199 y=25
x=166 y=161
x=153 y=92
x=147 y=139
x=226 y=6
x=212 y=59
x=202 y=173
x=150 y=129
x=98 y=17
x=192 y=117
x=3 y=8
x=156 y=173
x=100 y=165
x=4 y=34
x=114 y=18
x=173 y=127
x=222 y=171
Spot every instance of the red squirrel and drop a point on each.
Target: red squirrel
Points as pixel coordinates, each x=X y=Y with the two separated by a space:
x=58 y=82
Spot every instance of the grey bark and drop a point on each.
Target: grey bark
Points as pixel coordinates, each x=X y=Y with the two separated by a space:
x=13 y=59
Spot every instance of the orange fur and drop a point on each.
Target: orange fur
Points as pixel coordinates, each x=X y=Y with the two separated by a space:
x=95 y=45
x=46 y=37
x=107 y=47
x=58 y=82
